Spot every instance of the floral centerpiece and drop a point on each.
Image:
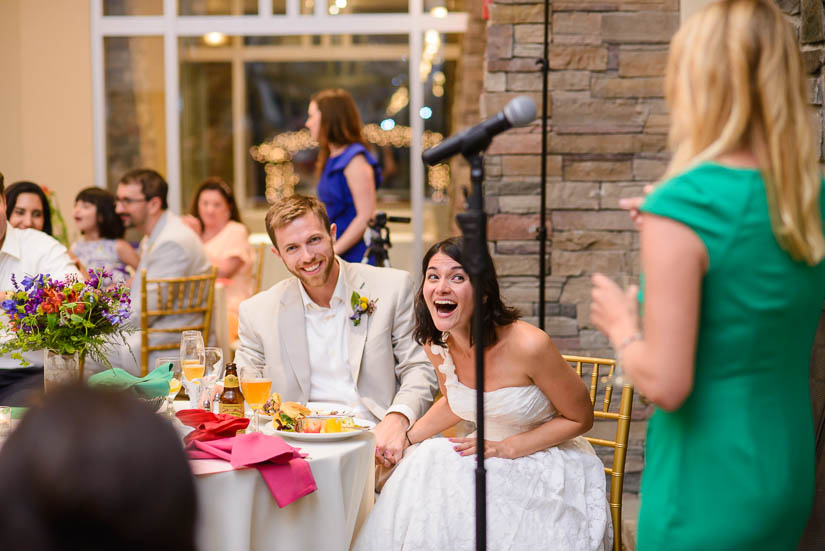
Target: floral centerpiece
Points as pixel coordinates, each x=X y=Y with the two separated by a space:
x=66 y=318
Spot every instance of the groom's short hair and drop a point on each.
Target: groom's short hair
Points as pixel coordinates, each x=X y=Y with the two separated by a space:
x=284 y=211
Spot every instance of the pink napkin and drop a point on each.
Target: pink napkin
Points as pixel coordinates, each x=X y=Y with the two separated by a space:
x=283 y=468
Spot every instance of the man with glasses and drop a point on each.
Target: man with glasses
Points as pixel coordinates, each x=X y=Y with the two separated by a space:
x=169 y=248
x=22 y=253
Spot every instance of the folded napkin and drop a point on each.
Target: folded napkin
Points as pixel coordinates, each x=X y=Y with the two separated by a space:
x=155 y=384
x=284 y=470
x=210 y=426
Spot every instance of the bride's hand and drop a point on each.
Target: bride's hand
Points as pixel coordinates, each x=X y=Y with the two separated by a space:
x=467 y=446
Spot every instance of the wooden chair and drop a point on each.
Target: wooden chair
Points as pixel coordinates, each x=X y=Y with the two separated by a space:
x=260 y=250
x=604 y=368
x=175 y=296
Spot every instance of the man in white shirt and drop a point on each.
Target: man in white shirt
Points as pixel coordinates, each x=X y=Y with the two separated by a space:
x=22 y=253
x=302 y=329
x=169 y=249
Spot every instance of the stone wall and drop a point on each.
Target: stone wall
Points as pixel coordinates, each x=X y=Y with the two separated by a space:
x=608 y=125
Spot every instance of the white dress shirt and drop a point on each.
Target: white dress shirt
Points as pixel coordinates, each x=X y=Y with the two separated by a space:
x=43 y=255
x=330 y=375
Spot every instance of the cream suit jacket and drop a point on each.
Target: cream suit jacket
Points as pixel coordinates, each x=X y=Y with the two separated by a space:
x=388 y=366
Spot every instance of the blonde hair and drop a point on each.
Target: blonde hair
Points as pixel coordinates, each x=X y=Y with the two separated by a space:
x=286 y=210
x=735 y=81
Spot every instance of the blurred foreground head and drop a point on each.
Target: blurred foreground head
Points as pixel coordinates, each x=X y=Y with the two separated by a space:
x=735 y=82
x=95 y=470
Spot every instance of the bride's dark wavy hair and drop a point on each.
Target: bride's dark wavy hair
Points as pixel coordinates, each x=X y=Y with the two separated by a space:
x=494 y=312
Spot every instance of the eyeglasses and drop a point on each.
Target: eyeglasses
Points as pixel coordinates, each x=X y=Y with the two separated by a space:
x=130 y=200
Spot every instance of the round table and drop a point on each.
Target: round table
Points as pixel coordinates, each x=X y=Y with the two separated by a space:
x=237 y=511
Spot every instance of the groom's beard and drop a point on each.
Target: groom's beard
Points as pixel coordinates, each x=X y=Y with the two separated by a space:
x=319 y=279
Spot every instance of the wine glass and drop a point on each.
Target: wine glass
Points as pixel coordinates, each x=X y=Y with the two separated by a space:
x=255 y=389
x=193 y=363
x=174 y=384
x=213 y=372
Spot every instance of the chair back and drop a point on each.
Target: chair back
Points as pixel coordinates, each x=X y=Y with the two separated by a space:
x=174 y=296
x=258 y=271
x=602 y=372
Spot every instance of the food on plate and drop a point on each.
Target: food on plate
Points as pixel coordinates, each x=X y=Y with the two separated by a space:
x=288 y=416
x=272 y=405
x=325 y=423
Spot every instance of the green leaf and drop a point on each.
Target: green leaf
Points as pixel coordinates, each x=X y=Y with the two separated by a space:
x=355 y=299
x=77 y=319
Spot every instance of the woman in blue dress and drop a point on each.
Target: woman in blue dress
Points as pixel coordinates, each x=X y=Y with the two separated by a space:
x=348 y=174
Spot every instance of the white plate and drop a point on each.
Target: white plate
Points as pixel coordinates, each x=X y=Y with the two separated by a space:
x=320 y=436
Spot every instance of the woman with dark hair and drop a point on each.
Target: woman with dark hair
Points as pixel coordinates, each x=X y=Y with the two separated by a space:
x=28 y=207
x=214 y=216
x=102 y=245
x=545 y=485
x=348 y=173
x=95 y=470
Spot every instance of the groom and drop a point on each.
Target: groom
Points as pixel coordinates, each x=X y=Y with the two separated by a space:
x=303 y=329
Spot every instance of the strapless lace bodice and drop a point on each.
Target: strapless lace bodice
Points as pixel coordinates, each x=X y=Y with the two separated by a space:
x=507 y=411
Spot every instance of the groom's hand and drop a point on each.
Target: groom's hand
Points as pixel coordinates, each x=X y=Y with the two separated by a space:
x=389 y=439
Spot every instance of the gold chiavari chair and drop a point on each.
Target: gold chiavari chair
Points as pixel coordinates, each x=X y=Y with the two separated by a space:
x=174 y=297
x=602 y=372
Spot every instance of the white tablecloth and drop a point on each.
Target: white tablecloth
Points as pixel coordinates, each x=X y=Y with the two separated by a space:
x=237 y=511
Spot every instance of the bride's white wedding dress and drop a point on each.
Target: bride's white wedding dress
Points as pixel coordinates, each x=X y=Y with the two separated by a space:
x=552 y=499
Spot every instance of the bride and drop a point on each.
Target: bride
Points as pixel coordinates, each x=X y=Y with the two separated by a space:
x=545 y=486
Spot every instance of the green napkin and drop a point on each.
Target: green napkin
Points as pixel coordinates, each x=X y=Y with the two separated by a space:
x=155 y=384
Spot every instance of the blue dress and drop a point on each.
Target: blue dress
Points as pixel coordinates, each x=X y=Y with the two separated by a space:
x=334 y=192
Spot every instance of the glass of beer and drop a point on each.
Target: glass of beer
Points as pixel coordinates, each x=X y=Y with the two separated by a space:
x=255 y=389
x=193 y=363
x=174 y=384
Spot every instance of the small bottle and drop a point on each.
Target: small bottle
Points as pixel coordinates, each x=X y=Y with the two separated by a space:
x=231 y=399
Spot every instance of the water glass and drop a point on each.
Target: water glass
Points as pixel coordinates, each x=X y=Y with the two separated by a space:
x=213 y=372
x=174 y=384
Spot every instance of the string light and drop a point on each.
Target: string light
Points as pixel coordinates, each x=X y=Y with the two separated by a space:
x=276 y=155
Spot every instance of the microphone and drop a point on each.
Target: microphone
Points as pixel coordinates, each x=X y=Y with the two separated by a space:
x=519 y=112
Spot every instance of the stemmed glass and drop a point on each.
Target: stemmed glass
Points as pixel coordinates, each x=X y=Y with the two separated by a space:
x=213 y=372
x=255 y=388
x=193 y=363
x=174 y=384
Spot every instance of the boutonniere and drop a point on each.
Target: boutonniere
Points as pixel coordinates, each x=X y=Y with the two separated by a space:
x=360 y=306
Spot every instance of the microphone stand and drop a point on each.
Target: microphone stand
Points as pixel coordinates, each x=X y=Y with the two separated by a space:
x=542 y=231
x=473 y=224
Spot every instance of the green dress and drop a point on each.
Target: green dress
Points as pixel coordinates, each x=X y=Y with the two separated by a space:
x=733 y=467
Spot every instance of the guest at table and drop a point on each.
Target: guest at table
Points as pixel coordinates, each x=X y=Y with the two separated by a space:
x=214 y=216
x=26 y=252
x=348 y=173
x=169 y=248
x=317 y=347
x=545 y=485
x=732 y=251
x=102 y=245
x=28 y=207
x=95 y=470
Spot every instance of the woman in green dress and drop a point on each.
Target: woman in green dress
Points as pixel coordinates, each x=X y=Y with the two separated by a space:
x=732 y=247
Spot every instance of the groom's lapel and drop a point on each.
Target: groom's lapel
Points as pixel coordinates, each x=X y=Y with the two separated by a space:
x=356 y=335
x=292 y=326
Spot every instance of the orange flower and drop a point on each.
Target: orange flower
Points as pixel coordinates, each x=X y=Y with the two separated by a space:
x=51 y=301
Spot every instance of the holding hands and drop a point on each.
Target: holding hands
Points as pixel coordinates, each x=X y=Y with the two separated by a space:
x=390 y=439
